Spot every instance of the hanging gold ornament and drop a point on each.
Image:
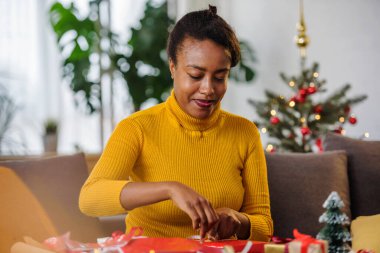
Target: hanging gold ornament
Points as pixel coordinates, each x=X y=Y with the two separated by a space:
x=302 y=40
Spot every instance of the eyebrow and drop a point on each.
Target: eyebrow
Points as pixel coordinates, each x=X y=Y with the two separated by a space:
x=204 y=69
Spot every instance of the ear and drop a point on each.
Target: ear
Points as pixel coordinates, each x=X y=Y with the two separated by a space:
x=171 y=67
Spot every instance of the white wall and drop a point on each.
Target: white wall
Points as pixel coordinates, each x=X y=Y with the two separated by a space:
x=345 y=40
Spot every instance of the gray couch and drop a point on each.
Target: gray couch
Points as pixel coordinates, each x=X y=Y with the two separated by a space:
x=54 y=183
x=300 y=183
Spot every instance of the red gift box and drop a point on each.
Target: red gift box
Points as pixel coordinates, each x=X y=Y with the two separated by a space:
x=187 y=245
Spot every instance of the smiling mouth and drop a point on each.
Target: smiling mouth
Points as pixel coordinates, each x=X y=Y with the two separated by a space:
x=203 y=103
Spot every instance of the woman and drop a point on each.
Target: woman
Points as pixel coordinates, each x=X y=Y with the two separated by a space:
x=185 y=164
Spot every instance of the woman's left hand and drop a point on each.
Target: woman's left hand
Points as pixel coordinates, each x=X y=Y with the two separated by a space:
x=230 y=223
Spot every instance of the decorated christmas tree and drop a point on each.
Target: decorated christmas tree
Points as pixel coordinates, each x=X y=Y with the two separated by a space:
x=297 y=122
x=335 y=231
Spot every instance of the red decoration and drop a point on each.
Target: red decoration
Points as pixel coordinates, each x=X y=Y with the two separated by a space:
x=347 y=109
x=303 y=92
x=352 y=120
x=311 y=90
x=273 y=150
x=318 y=109
x=338 y=130
x=300 y=99
x=305 y=131
x=318 y=142
x=274 y=120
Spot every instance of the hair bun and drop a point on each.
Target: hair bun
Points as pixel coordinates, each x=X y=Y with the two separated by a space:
x=212 y=9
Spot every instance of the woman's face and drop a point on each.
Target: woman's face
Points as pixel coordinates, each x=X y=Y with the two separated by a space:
x=200 y=76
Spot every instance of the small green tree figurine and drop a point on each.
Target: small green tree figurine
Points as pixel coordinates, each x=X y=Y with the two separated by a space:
x=335 y=231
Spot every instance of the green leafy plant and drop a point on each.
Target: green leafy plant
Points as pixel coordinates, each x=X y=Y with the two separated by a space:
x=51 y=126
x=148 y=74
x=145 y=69
x=78 y=38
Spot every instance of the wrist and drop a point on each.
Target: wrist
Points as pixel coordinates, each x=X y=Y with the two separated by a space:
x=244 y=230
x=170 y=188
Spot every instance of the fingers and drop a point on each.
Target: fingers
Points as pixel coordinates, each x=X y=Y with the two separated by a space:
x=228 y=224
x=213 y=232
x=207 y=216
x=212 y=216
x=198 y=208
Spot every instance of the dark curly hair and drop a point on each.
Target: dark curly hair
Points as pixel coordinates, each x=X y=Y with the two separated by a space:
x=202 y=25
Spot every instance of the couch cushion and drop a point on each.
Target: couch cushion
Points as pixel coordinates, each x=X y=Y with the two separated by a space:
x=56 y=183
x=363 y=172
x=21 y=213
x=298 y=186
x=365 y=232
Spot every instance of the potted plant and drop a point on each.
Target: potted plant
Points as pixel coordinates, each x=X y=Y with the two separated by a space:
x=50 y=137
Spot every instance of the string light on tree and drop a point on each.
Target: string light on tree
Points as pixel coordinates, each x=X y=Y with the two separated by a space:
x=270 y=148
x=297 y=121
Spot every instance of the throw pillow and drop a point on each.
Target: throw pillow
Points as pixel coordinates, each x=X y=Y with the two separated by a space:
x=21 y=213
x=363 y=172
x=365 y=232
x=298 y=186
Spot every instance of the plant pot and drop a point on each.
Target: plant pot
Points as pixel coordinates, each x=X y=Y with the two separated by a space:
x=50 y=142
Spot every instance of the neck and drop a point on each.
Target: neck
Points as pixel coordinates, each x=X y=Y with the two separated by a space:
x=189 y=122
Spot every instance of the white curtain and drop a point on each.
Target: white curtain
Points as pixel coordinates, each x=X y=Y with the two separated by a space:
x=30 y=70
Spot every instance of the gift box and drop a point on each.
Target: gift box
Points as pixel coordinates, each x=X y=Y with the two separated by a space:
x=301 y=244
x=134 y=242
x=277 y=245
x=275 y=248
x=306 y=244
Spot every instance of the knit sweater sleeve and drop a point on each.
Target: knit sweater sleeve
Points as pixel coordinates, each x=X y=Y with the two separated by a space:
x=256 y=203
x=100 y=194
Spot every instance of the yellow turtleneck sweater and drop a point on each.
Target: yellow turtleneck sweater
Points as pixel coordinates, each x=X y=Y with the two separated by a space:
x=220 y=157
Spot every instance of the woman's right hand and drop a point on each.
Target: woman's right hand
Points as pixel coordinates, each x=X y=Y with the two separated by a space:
x=198 y=208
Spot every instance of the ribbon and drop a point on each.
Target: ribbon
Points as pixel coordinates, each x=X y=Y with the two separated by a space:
x=280 y=240
x=120 y=236
x=306 y=240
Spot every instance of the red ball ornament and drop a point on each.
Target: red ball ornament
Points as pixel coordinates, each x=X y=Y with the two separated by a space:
x=303 y=92
x=318 y=109
x=300 y=99
x=311 y=90
x=274 y=120
x=352 y=120
x=305 y=131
